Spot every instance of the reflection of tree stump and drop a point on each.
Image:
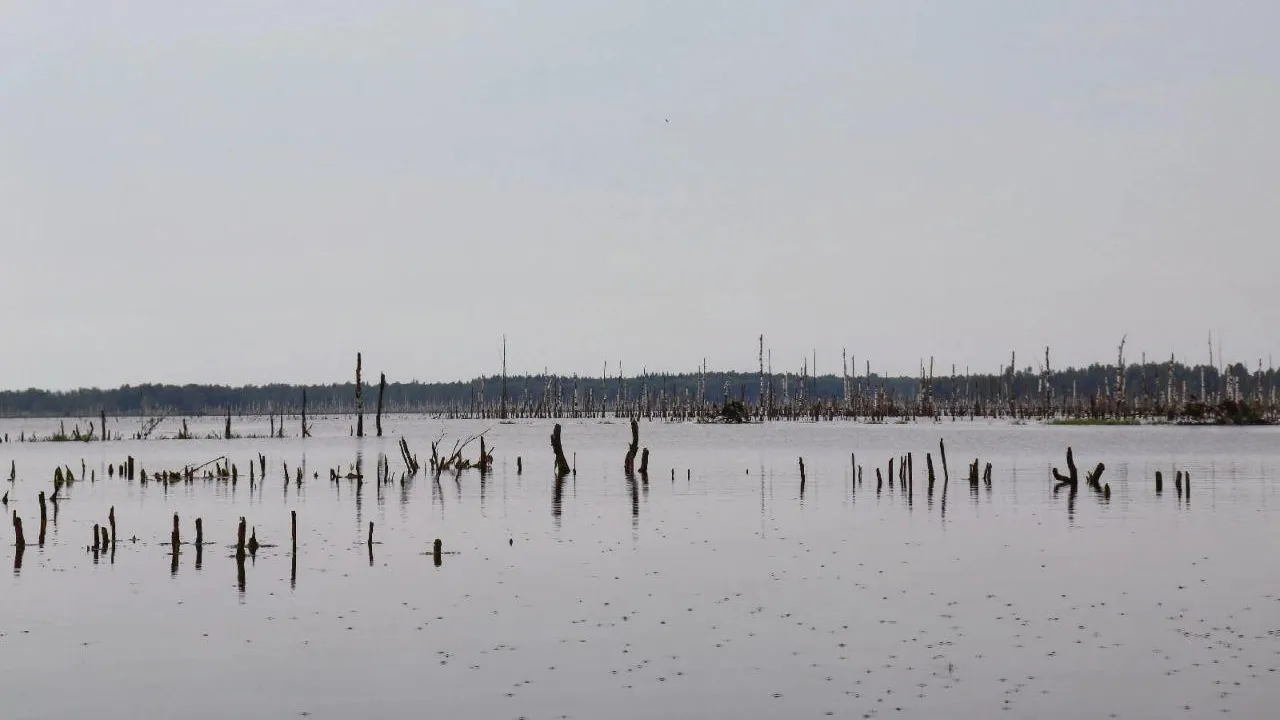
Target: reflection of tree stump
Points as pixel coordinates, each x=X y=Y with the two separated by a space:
x=562 y=464
x=630 y=463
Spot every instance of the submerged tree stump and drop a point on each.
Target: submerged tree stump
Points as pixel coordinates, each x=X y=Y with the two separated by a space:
x=629 y=463
x=240 y=533
x=1072 y=477
x=644 y=463
x=562 y=464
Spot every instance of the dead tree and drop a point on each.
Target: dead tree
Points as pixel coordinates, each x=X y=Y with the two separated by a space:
x=629 y=463
x=306 y=431
x=359 y=400
x=382 y=388
x=562 y=465
x=1073 y=476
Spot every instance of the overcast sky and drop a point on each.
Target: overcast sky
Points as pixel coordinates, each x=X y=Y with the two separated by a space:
x=250 y=192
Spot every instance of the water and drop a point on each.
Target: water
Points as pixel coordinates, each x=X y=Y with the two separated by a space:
x=719 y=593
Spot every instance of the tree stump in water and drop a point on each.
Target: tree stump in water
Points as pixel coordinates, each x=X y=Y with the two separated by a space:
x=562 y=464
x=629 y=463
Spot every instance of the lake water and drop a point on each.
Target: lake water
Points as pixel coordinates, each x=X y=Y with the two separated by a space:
x=716 y=590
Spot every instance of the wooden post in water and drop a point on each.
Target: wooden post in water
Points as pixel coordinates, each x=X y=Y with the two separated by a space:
x=44 y=517
x=111 y=520
x=106 y=542
x=199 y=533
x=370 y=541
x=293 y=529
x=382 y=388
x=890 y=473
x=174 y=537
x=130 y=468
x=437 y=551
x=644 y=463
x=359 y=400
x=802 y=479
x=97 y=539
x=928 y=461
x=1159 y=482
x=226 y=433
x=519 y=465
x=103 y=417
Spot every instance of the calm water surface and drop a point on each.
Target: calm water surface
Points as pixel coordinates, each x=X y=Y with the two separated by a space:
x=714 y=590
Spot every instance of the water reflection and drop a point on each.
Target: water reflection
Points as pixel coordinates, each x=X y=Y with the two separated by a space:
x=557 y=499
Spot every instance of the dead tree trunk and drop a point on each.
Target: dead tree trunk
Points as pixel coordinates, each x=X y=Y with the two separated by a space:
x=359 y=400
x=629 y=465
x=226 y=433
x=382 y=388
x=562 y=465
x=1072 y=477
x=306 y=431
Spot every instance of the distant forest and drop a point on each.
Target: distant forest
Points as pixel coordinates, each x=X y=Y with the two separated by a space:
x=1140 y=381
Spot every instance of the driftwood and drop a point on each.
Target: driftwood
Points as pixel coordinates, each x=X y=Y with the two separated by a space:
x=455 y=461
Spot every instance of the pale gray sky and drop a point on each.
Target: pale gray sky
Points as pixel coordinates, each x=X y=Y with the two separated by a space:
x=249 y=192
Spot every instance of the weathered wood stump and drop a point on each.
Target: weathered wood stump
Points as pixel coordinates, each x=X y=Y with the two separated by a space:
x=562 y=464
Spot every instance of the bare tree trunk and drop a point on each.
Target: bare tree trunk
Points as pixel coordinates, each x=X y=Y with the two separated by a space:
x=630 y=463
x=306 y=432
x=359 y=400
x=562 y=465
x=382 y=388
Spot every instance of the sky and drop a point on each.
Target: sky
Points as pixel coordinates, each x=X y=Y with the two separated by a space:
x=247 y=192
